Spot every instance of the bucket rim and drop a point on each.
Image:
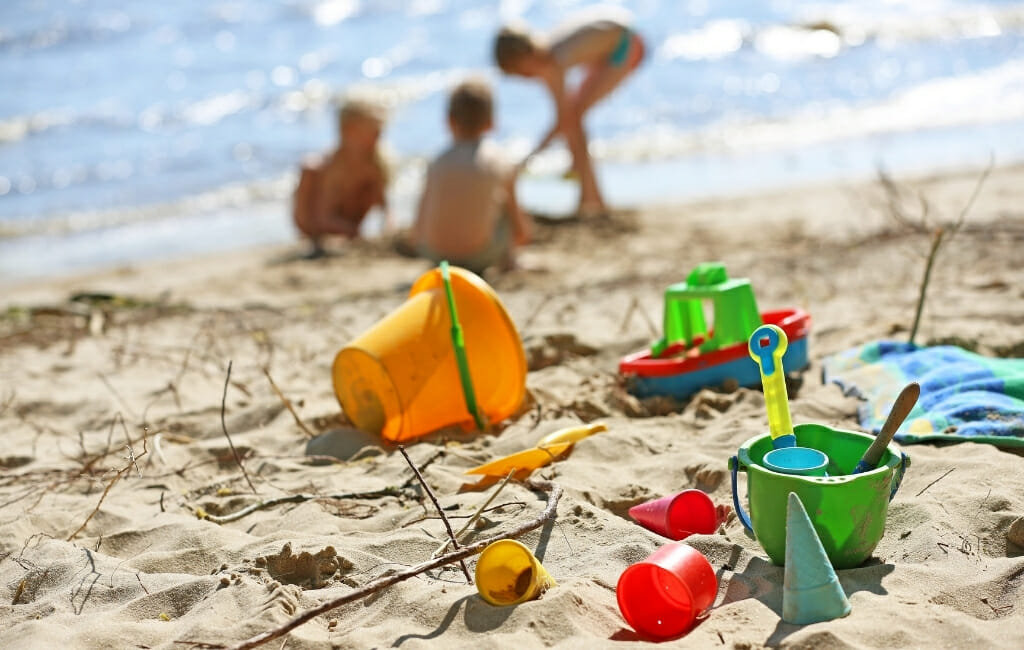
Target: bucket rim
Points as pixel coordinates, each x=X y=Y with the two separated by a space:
x=745 y=463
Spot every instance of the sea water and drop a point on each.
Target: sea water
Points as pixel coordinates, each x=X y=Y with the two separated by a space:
x=132 y=131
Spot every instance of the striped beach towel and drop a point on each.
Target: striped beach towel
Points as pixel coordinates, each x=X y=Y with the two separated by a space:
x=964 y=396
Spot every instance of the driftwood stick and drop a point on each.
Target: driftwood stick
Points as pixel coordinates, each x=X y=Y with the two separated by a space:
x=301 y=498
x=389 y=491
x=476 y=515
x=440 y=511
x=224 y=427
x=288 y=404
x=923 y=291
x=386 y=581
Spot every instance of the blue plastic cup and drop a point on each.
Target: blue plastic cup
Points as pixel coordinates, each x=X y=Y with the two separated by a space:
x=801 y=461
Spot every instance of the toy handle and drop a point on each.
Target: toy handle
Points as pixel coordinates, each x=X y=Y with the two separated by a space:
x=734 y=464
x=899 y=474
x=767 y=346
x=459 y=345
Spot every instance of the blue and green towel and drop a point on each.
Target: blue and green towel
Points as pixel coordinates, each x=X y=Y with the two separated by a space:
x=964 y=396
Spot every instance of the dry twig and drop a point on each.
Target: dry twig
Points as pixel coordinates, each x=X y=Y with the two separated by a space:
x=224 y=427
x=301 y=498
x=476 y=515
x=287 y=404
x=940 y=233
x=132 y=462
x=440 y=511
x=934 y=482
x=388 y=580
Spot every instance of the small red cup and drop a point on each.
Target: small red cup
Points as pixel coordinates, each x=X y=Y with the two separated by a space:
x=677 y=516
x=662 y=596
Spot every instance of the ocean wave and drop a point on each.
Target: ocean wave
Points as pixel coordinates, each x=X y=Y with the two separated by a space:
x=942 y=103
x=826 y=30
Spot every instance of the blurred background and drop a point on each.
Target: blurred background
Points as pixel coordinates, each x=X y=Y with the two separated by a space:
x=132 y=131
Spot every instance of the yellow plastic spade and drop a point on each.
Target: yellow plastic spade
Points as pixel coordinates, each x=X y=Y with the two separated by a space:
x=767 y=346
x=549 y=448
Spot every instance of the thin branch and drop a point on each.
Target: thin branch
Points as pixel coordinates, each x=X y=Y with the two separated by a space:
x=302 y=498
x=386 y=581
x=223 y=402
x=923 y=291
x=440 y=511
x=940 y=232
x=121 y=472
x=476 y=515
x=132 y=458
x=974 y=195
x=287 y=404
x=934 y=482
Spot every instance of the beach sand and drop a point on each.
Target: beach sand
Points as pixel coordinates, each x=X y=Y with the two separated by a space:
x=147 y=571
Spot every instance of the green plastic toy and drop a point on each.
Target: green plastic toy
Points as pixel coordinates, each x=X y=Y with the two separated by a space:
x=733 y=302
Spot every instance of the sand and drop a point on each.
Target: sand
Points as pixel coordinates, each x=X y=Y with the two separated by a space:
x=148 y=571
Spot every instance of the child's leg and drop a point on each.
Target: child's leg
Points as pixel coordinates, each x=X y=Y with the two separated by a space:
x=601 y=79
x=590 y=194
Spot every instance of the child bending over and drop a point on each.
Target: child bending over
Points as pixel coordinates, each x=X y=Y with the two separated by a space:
x=608 y=50
x=468 y=212
x=334 y=195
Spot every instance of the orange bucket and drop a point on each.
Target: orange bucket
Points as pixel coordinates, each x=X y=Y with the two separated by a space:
x=400 y=378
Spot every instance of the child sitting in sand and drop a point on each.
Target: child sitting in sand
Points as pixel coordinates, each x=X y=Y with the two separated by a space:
x=607 y=48
x=334 y=195
x=468 y=212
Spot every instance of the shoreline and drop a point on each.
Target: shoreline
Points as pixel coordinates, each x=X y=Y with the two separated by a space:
x=276 y=214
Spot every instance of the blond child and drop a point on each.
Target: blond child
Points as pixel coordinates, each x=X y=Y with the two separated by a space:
x=608 y=50
x=468 y=213
x=335 y=194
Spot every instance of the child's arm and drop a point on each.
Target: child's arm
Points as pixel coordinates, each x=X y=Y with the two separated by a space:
x=522 y=227
x=554 y=79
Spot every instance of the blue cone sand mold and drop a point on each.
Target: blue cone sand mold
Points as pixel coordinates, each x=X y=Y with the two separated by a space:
x=811 y=592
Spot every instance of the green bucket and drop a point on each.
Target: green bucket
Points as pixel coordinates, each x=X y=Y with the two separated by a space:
x=848 y=510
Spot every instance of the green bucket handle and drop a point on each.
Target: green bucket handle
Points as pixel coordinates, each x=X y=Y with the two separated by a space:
x=734 y=465
x=459 y=343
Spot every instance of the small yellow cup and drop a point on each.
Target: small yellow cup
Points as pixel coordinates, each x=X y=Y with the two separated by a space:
x=507 y=573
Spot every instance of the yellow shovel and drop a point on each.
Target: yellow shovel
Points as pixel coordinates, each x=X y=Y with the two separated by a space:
x=550 y=447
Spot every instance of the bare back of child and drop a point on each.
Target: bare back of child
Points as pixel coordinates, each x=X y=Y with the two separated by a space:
x=468 y=212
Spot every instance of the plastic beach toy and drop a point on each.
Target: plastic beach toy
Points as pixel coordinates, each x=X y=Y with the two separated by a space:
x=691 y=355
x=448 y=355
x=662 y=596
x=767 y=346
x=901 y=408
x=811 y=592
x=547 y=450
x=848 y=510
x=796 y=460
x=677 y=516
x=507 y=573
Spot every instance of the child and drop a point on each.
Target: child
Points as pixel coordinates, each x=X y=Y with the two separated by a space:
x=607 y=48
x=334 y=195
x=468 y=212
